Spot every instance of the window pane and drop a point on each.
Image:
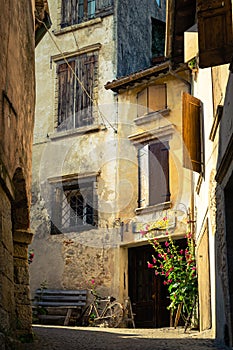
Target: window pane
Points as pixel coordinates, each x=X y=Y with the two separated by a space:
x=91 y=8
x=80 y=10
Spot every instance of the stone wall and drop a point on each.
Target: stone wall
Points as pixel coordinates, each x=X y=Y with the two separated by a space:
x=17 y=99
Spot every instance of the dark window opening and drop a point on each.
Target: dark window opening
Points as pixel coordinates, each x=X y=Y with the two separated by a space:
x=74 y=208
x=158 y=38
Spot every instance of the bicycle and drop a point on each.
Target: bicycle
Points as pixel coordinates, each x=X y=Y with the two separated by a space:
x=111 y=315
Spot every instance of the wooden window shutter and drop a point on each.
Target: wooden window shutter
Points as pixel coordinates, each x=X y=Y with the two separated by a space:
x=86 y=71
x=66 y=83
x=214 y=32
x=157 y=97
x=159 y=173
x=142 y=102
x=69 y=12
x=191 y=120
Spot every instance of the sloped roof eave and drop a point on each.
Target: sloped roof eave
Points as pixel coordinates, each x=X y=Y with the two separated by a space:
x=133 y=78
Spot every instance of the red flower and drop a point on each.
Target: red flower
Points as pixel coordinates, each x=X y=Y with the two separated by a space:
x=150 y=266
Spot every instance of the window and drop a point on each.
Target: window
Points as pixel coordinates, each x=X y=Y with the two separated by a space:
x=192 y=140
x=75 y=104
x=158 y=38
x=76 y=11
x=153 y=168
x=152 y=98
x=74 y=206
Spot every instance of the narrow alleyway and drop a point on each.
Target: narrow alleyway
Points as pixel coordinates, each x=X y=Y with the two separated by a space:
x=62 y=338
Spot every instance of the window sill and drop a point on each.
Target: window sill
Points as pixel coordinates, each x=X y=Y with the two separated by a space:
x=73 y=27
x=153 y=208
x=75 y=132
x=149 y=117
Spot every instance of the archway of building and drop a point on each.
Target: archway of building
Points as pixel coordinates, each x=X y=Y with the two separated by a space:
x=21 y=239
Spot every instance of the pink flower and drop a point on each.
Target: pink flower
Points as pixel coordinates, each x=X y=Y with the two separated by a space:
x=161 y=266
x=168 y=250
x=166 y=244
x=169 y=281
x=156 y=273
x=154 y=261
x=194 y=268
x=167 y=274
x=167 y=233
x=150 y=266
x=143 y=233
x=181 y=251
x=92 y=281
x=159 y=255
x=164 y=282
x=165 y=218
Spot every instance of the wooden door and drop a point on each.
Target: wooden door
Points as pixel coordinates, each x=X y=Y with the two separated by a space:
x=147 y=292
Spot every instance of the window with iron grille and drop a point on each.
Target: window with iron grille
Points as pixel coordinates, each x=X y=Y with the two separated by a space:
x=75 y=95
x=74 y=207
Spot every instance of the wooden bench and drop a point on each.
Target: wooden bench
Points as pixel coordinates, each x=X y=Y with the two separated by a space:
x=53 y=306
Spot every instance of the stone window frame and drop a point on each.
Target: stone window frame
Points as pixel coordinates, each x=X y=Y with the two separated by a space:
x=61 y=216
x=56 y=59
x=102 y=8
x=163 y=134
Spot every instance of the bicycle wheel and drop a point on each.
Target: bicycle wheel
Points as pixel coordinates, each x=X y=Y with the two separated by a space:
x=114 y=315
x=88 y=315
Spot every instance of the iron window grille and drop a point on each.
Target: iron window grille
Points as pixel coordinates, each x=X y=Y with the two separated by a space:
x=74 y=208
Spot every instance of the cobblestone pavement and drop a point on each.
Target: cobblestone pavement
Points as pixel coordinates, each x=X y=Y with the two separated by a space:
x=89 y=338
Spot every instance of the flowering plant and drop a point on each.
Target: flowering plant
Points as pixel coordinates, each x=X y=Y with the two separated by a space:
x=177 y=267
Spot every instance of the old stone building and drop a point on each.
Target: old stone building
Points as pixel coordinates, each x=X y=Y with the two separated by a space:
x=89 y=200
x=17 y=102
x=204 y=40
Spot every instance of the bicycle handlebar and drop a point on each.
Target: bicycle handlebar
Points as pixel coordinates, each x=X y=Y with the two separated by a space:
x=111 y=298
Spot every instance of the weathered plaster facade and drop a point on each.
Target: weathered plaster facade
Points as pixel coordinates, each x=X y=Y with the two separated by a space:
x=96 y=151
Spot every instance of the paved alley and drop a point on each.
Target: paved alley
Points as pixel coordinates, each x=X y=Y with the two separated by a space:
x=88 y=338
